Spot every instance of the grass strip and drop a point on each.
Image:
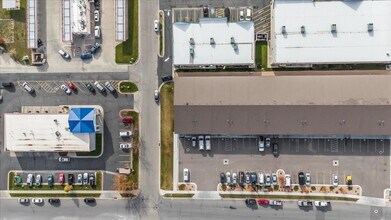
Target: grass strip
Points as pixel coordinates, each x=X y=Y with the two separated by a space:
x=36 y=195
x=127 y=87
x=239 y=196
x=179 y=195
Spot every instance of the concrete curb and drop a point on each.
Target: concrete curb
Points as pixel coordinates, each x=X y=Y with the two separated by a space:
x=163 y=35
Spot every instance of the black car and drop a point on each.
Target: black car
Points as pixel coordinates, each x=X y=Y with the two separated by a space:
x=53 y=200
x=275 y=150
x=301 y=179
x=241 y=177
x=7 y=84
x=253 y=177
x=90 y=87
x=251 y=202
x=71 y=178
x=97 y=4
x=92 y=179
x=222 y=178
x=206 y=11
x=95 y=48
x=89 y=200
x=166 y=78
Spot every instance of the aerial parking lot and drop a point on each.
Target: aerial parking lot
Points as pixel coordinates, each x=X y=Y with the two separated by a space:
x=366 y=160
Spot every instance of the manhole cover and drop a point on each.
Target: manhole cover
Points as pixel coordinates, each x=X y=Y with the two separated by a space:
x=225 y=161
x=335 y=163
x=187 y=149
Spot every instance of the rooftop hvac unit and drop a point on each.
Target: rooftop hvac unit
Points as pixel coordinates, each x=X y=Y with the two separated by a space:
x=232 y=40
x=212 y=40
x=333 y=28
x=191 y=41
x=302 y=29
x=191 y=52
x=370 y=27
x=236 y=47
x=283 y=30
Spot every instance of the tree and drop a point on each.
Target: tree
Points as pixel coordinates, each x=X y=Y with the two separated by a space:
x=68 y=188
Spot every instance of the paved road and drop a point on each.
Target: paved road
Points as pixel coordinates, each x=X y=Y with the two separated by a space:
x=186 y=209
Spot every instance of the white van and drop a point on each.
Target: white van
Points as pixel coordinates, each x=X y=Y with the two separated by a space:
x=201 y=142
x=207 y=142
x=261 y=179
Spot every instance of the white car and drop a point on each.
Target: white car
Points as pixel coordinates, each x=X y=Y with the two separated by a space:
x=186 y=175
x=261 y=144
x=156 y=25
x=64 y=54
x=193 y=141
x=23 y=200
x=228 y=176
x=335 y=180
x=99 y=86
x=156 y=95
x=97 y=31
x=85 y=178
x=125 y=146
x=30 y=179
x=307 y=179
x=27 y=87
x=96 y=15
x=241 y=15
x=234 y=178
x=321 y=203
x=287 y=180
x=248 y=17
x=201 y=142
x=79 y=178
x=125 y=133
x=64 y=159
x=37 y=200
x=110 y=87
x=207 y=143
x=66 y=89
x=268 y=180
x=268 y=142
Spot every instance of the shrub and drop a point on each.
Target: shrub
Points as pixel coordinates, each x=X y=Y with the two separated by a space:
x=68 y=188
x=313 y=188
x=276 y=187
x=331 y=188
x=296 y=188
x=223 y=187
x=182 y=187
x=323 y=189
x=350 y=188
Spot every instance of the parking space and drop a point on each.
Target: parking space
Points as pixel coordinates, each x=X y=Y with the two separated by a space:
x=187 y=14
x=366 y=160
x=56 y=175
x=261 y=19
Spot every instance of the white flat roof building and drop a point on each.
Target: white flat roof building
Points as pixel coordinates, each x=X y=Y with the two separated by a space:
x=43 y=133
x=213 y=41
x=311 y=32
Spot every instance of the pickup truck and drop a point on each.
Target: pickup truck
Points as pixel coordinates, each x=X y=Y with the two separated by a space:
x=275 y=202
x=321 y=203
x=303 y=203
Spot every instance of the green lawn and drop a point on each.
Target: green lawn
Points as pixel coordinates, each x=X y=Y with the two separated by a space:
x=135 y=151
x=238 y=196
x=127 y=87
x=18 y=49
x=12 y=186
x=84 y=195
x=160 y=38
x=127 y=51
x=171 y=195
x=166 y=132
x=261 y=54
x=98 y=148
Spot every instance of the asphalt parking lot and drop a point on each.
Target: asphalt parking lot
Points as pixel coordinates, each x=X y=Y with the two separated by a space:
x=112 y=157
x=367 y=160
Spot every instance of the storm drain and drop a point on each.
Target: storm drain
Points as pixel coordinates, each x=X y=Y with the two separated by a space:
x=225 y=161
x=335 y=163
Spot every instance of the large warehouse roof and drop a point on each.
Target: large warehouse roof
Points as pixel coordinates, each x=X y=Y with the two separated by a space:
x=222 y=51
x=42 y=133
x=352 y=41
x=312 y=105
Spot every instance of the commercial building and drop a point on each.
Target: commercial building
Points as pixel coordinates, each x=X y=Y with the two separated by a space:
x=76 y=18
x=253 y=106
x=330 y=32
x=213 y=43
x=70 y=130
x=11 y=4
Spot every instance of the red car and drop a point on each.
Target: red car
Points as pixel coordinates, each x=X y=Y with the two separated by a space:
x=71 y=86
x=263 y=201
x=61 y=178
x=127 y=120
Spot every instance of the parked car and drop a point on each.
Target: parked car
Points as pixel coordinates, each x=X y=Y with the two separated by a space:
x=304 y=203
x=321 y=203
x=110 y=87
x=349 y=181
x=250 y=202
x=85 y=56
x=23 y=200
x=222 y=178
x=54 y=200
x=30 y=179
x=92 y=179
x=207 y=143
x=85 y=178
x=125 y=146
x=28 y=87
x=248 y=14
x=307 y=179
x=66 y=89
x=253 y=177
x=268 y=181
x=71 y=86
x=89 y=200
x=64 y=159
x=95 y=48
x=234 y=178
x=71 y=179
x=241 y=15
x=64 y=54
x=37 y=200
x=127 y=120
x=186 y=175
x=96 y=15
x=79 y=179
x=201 y=142
x=166 y=78
x=99 y=87
x=50 y=180
x=156 y=25
x=267 y=142
x=156 y=95
x=273 y=202
x=287 y=180
x=193 y=141
x=126 y=133
x=274 y=179
x=241 y=177
x=247 y=177
x=89 y=87
x=96 y=4
x=335 y=180
x=205 y=11
x=263 y=201
x=261 y=144
x=275 y=150
x=38 y=180
x=301 y=179
x=228 y=176
x=61 y=178
x=97 y=32
x=7 y=84
x=261 y=179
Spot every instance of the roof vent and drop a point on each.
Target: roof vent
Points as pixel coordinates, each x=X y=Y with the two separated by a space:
x=212 y=41
x=235 y=47
x=283 y=29
x=232 y=40
x=191 y=41
x=333 y=28
x=370 y=27
x=191 y=52
x=302 y=29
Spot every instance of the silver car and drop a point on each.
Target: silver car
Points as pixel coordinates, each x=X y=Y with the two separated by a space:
x=110 y=87
x=79 y=178
x=85 y=178
x=274 y=179
x=267 y=180
x=38 y=180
